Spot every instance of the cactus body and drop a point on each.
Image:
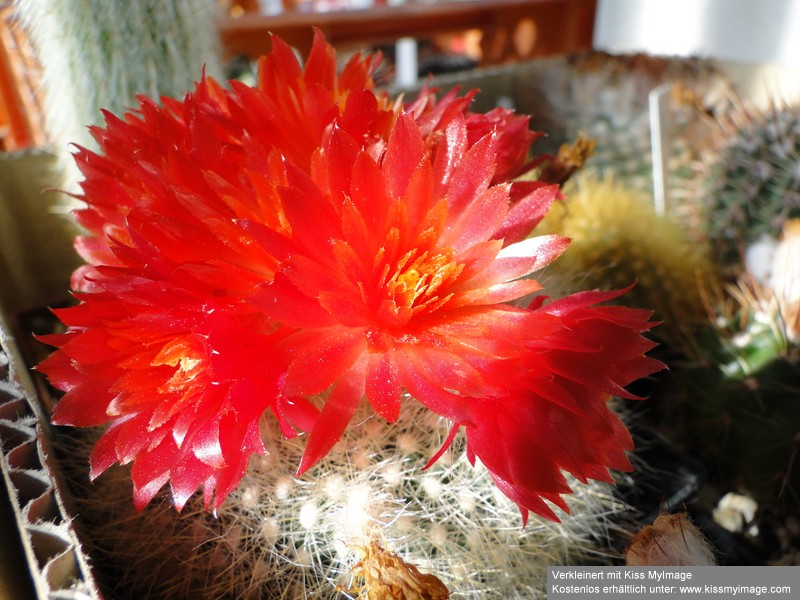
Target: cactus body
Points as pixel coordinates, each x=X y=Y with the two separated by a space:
x=618 y=240
x=754 y=188
x=278 y=536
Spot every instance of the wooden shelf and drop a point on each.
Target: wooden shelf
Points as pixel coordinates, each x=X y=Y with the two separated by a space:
x=512 y=29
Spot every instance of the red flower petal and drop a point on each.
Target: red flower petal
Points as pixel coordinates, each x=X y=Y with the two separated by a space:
x=478 y=221
x=336 y=414
x=472 y=175
x=527 y=213
x=318 y=359
x=403 y=155
x=382 y=385
x=521 y=259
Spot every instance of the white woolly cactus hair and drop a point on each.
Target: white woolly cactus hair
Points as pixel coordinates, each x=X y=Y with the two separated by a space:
x=97 y=54
x=278 y=536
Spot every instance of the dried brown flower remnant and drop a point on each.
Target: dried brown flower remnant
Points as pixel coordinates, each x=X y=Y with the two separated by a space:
x=671 y=541
x=568 y=159
x=383 y=575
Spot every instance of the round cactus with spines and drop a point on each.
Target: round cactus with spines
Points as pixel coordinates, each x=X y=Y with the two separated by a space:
x=754 y=187
x=618 y=240
x=278 y=536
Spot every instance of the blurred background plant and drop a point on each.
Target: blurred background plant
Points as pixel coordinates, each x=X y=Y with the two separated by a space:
x=754 y=186
x=618 y=240
x=98 y=55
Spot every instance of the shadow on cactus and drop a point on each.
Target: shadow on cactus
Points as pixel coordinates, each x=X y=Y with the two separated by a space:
x=741 y=408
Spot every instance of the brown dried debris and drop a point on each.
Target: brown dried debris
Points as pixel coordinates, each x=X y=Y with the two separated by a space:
x=672 y=540
x=383 y=575
x=568 y=159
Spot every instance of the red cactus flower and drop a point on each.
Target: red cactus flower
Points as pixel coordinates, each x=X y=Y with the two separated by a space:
x=176 y=385
x=403 y=279
x=163 y=346
x=513 y=151
x=554 y=417
x=303 y=245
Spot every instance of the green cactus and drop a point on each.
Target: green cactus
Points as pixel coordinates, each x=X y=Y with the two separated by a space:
x=741 y=407
x=608 y=97
x=754 y=187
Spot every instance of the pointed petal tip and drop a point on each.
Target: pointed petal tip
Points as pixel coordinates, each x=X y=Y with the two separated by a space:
x=306 y=463
x=447 y=443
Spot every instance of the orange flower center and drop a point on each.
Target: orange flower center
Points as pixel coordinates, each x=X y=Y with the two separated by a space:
x=418 y=286
x=405 y=287
x=421 y=286
x=187 y=356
